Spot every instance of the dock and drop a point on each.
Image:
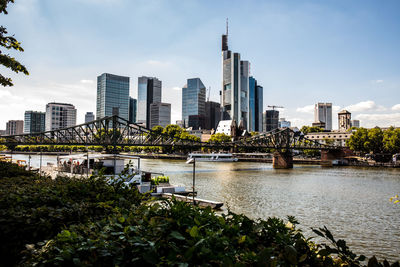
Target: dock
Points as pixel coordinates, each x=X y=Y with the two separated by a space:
x=197 y=201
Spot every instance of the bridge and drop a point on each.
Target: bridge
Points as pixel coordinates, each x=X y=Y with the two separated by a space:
x=115 y=131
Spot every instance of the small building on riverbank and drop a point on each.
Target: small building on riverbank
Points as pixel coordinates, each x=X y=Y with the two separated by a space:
x=336 y=137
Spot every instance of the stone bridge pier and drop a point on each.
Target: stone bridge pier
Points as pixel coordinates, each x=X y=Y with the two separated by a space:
x=282 y=160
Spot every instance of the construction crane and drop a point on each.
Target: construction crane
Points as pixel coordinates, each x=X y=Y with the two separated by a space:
x=274 y=107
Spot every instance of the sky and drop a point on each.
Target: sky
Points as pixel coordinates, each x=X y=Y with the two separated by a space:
x=301 y=51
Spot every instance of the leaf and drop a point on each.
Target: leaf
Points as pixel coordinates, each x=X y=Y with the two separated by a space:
x=242 y=239
x=177 y=235
x=194 y=232
x=303 y=258
x=121 y=219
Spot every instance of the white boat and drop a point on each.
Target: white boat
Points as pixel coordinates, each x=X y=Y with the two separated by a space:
x=212 y=157
x=115 y=168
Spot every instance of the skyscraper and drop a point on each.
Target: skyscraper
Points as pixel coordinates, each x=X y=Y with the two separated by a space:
x=89 y=116
x=344 y=120
x=271 y=120
x=60 y=115
x=112 y=96
x=160 y=114
x=34 y=122
x=132 y=110
x=149 y=91
x=255 y=106
x=235 y=85
x=213 y=115
x=14 y=127
x=193 y=99
x=323 y=113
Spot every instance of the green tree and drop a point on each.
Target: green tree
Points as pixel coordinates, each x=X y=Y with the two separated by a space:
x=9 y=42
x=391 y=140
x=173 y=130
x=358 y=139
x=375 y=140
x=220 y=138
x=311 y=129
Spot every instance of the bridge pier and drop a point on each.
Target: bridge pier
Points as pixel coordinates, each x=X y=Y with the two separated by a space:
x=282 y=160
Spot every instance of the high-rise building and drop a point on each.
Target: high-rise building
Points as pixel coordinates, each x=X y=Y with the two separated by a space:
x=255 y=106
x=355 y=123
x=149 y=92
x=60 y=115
x=284 y=123
x=160 y=114
x=89 y=116
x=271 y=120
x=213 y=115
x=34 y=122
x=132 y=110
x=112 y=96
x=323 y=113
x=344 y=120
x=235 y=85
x=14 y=127
x=193 y=99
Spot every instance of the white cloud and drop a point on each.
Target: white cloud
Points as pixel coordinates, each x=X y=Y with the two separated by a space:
x=368 y=105
x=176 y=88
x=4 y=93
x=377 y=81
x=87 y=81
x=381 y=120
x=306 y=109
x=335 y=109
x=396 y=107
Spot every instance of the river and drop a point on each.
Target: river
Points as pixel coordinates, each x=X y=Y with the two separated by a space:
x=352 y=202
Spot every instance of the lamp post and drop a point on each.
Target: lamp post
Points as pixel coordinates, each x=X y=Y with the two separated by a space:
x=193 y=161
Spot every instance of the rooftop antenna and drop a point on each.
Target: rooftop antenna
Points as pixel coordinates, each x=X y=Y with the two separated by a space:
x=226 y=26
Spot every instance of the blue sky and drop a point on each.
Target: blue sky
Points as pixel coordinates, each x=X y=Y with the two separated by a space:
x=302 y=52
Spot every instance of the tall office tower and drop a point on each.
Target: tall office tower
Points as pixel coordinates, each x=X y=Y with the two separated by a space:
x=271 y=120
x=255 y=106
x=149 y=91
x=323 y=113
x=355 y=123
x=213 y=115
x=60 y=115
x=89 y=116
x=193 y=99
x=160 y=114
x=235 y=85
x=14 y=127
x=132 y=110
x=344 y=120
x=34 y=122
x=112 y=96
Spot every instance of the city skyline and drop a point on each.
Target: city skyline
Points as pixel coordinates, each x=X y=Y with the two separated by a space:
x=301 y=52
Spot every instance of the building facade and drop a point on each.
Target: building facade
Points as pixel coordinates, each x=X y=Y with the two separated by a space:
x=132 y=110
x=355 y=123
x=333 y=137
x=112 y=96
x=255 y=106
x=160 y=114
x=344 y=120
x=193 y=99
x=149 y=92
x=60 y=115
x=271 y=120
x=89 y=116
x=284 y=123
x=323 y=113
x=34 y=122
x=213 y=115
x=14 y=127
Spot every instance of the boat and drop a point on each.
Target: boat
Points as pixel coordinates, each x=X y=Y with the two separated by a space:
x=211 y=157
x=196 y=201
x=117 y=168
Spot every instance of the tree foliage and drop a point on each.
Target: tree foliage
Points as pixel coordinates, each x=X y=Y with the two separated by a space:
x=219 y=138
x=10 y=43
x=311 y=129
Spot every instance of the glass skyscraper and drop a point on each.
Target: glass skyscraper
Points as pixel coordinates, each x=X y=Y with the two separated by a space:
x=193 y=99
x=255 y=106
x=34 y=122
x=149 y=92
x=112 y=96
x=132 y=110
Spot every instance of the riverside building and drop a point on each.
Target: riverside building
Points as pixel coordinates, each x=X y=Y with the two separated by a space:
x=160 y=114
x=112 y=96
x=149 y=92
x=14 y=127
x=60 y=115
x=193 y=103
x=34 y=122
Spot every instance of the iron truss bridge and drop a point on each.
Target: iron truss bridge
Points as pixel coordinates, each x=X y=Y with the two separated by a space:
x=115 y=131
